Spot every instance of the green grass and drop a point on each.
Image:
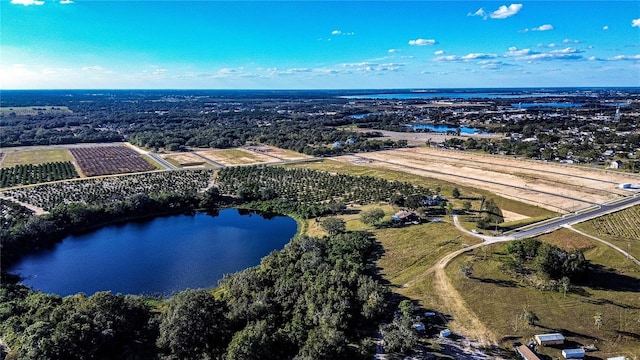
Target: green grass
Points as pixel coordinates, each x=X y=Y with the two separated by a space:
x=497 y=299
x=36 y=157
x=410 y=251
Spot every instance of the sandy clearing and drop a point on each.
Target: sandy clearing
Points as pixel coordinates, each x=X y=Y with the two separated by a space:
x=512 y=216
x=279 y=153
x=231 y=157
x=184 y=159
x=552 y=186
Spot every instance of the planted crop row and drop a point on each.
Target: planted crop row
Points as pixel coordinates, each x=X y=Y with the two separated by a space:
x=107 y=160
x=311 y=186
x=624 y=223
x=112 y=189
x=35 y=174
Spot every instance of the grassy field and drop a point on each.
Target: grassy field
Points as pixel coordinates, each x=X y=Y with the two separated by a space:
x=35 y=157
x=613 y=291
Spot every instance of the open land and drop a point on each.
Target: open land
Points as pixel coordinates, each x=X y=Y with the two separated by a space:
x=421 y=138
x=612 y=291
x=231 y=157
x=554 y=187
x=34 y=157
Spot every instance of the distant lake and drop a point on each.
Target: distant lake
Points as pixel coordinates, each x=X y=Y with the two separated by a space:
x=439 y=128
x=162 y=255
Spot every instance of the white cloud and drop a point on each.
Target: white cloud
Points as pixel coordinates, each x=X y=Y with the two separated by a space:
x=468 y=57
x=422 y=42
x=439 y=52
x=479 y=12
x=545 y=27
x=340 y=32
x=568 y=53
x=606 y=27
x=504 y=11
x=66 y=2
x=635 y=23
x=391 y=51
x=567 y=41
x=624 y=57
x=27 y=2
x=93 y=68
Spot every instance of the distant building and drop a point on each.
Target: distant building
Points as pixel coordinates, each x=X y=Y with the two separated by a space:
x=573 y=353
x=445 y=333
x=549 y=339
x=615 y=164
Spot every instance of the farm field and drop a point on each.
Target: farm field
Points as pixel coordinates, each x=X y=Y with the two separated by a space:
x=108 y=160
x=185 y=160
x=281 y=154
x=19 y=156
x=554 y=187
x=515 y=209
x=612 y=291
x=231 y=157
x=34 y=174
x=621 y=228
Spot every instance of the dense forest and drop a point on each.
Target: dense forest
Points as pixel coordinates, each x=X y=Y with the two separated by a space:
x=318 y=298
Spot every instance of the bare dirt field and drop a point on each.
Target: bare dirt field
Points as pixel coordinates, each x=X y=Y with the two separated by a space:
x=555 y=187
x=184 y=159
x=280 y=154
x=231 y=157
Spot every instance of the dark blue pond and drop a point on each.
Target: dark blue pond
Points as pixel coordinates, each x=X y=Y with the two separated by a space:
x=162 y=255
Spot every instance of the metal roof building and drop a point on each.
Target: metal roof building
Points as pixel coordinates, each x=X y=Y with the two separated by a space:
x=549 y=339
x=573 y=353
x=526 y=353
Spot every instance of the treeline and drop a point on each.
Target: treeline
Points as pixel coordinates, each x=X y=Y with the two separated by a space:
x=316 y=299
x=34 y=174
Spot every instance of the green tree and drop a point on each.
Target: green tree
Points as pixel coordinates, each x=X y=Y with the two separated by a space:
x=466 y=269
x=333 y=226
x=194 y=326
x=372 y=216
x=466 y=205
x=455 y=192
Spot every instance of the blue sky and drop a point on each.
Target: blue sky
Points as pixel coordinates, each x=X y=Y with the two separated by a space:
x=317 y=44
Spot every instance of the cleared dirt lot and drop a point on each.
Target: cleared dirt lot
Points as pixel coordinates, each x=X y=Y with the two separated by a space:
x=231 y=157
x=552 y=186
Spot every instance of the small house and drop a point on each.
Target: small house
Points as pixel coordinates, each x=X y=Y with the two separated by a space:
x=526 y=353
x=445 y=333
x=573 y=353
x=406 y=217
x=419 y=326
x=549 y=339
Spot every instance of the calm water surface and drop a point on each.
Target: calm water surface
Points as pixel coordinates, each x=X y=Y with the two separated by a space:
x=162 y=255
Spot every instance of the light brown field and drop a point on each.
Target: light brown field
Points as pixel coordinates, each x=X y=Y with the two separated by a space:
x=231 y=157
x=274 y=152
x=184 y=159
x=40 y=156
x=555 y=187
